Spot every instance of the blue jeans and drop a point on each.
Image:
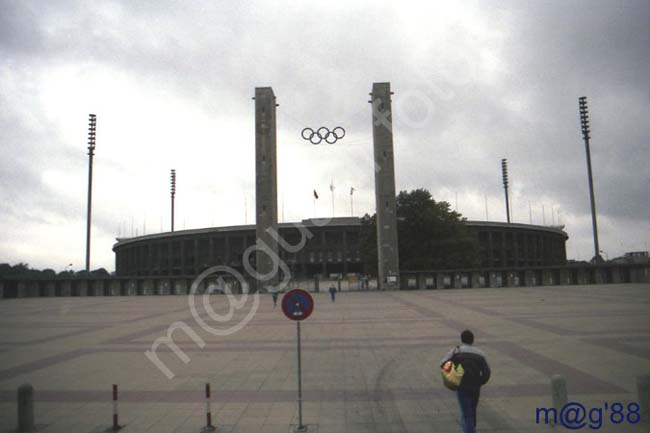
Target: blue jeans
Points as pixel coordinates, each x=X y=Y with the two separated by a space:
x=468 y=401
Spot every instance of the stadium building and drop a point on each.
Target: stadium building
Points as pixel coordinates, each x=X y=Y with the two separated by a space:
x=330 y=249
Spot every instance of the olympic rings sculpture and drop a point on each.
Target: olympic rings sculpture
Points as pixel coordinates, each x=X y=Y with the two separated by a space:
x=323 y=133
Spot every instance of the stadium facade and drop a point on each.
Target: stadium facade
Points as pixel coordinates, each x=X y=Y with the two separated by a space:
x=330 y=249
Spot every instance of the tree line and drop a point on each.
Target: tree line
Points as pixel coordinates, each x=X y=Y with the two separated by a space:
x=23 y=270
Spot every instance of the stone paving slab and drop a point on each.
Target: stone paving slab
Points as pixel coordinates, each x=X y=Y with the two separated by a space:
x=369 y=359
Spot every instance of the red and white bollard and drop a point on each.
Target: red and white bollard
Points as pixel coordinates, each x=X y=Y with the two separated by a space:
x=116 y=425
x=208 y=410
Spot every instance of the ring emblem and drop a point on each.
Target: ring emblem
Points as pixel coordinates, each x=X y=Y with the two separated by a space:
x=323 y=133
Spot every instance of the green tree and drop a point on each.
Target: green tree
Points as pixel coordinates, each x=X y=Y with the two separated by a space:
x=368 y=243
x=431 y=235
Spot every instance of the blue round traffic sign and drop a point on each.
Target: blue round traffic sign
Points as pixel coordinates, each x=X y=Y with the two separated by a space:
x=297 y=304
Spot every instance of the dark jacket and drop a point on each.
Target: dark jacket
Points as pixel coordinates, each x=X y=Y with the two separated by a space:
x=475 y=365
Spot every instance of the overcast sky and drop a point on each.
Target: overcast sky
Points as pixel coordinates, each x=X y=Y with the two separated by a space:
x=171 y=84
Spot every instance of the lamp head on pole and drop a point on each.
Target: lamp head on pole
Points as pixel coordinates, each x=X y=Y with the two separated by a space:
x=92 y=128
x=173 y=182
x=584 y=116
x=504 y=172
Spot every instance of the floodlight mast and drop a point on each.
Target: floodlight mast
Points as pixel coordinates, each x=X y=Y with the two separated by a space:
x=584 y=122
x=504 y=174
x=173 y=193
x=92 y=128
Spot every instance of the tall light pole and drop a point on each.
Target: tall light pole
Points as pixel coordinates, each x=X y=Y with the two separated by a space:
x=584 y=122
x=92 y=128
x=504 y=174
x=173 y=193
x=352 y=201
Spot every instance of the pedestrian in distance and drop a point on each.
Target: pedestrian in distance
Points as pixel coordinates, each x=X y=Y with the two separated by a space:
x=275 y=298
x=476 y=374
x=333 y=293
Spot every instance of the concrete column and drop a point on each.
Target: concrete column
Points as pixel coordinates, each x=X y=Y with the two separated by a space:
x=421 y=281
x=114 y=286
x=180 y=286
x=382 y=135
x=21 y=289
x=32 y=289
x=581 y=276
x=494 y=279
x=440 y=282
x=547 y=277
x=50 y=288
x=266 y=188
x=97 y=286
x=131 y=287
x=599 y=276
x=510 y=279
x=565 y=277
x=530 y=278
x=616 y=275
x=66 y=288
x=164 y=287
x=456 y=280
x=2 y=287
x=147 y=287
x=82 y=287
x=476 y=280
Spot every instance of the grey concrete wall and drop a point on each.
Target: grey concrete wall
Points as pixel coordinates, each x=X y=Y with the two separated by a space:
x=411 y=280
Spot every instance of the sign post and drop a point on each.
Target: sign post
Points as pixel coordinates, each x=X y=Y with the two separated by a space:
x=297 y=305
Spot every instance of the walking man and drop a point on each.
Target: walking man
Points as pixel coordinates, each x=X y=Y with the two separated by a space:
x=333 y=292
x=476 y=374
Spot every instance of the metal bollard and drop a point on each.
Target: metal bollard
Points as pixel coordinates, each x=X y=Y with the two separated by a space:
x=559 y=392
x=643 y=394
x=208 y=410
x=25 y=408
x=116 y=424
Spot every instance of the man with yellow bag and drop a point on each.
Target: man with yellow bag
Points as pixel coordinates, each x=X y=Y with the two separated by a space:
x=465 y=370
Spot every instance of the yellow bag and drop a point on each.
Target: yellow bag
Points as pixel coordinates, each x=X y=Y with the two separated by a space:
x=452 y=375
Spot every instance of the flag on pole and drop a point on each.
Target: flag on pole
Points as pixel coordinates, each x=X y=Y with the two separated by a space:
x=315 y=194
x=352 y=190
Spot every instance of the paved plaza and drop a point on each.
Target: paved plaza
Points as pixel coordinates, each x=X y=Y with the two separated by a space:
x=370 y=360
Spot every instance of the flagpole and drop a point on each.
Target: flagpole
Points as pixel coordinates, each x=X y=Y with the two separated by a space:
x=332 y=189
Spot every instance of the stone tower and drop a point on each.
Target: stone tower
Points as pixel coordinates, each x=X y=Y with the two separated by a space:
x=266 y=188
x=382 y=136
